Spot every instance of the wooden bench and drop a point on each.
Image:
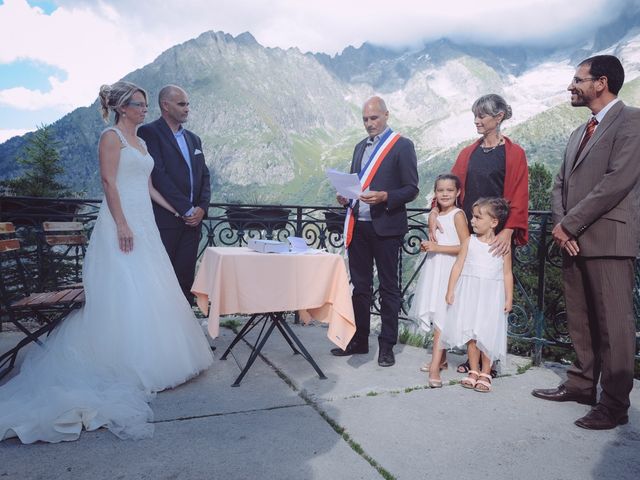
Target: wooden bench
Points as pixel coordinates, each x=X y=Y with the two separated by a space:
x=33 y=313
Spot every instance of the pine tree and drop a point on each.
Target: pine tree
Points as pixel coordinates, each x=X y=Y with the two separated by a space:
x=41 y=160
x=540 y=181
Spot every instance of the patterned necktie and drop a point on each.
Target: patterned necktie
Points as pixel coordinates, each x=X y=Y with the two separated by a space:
x=591 y=127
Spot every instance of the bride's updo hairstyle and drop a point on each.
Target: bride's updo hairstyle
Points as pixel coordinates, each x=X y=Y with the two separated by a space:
x=114 y=97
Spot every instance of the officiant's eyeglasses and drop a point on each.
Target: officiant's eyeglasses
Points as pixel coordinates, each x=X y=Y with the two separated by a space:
x=578 y=80
x=138 y=104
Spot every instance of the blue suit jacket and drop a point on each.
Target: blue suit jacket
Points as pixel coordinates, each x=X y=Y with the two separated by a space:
x=170 y=174
x=398 y=176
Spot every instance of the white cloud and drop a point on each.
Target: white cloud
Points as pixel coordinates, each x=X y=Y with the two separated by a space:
x=6 y=134
x=100 y=42
x=331 y=25
x=88 y=45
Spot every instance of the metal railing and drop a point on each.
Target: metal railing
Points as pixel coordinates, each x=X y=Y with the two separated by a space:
x=538 y=318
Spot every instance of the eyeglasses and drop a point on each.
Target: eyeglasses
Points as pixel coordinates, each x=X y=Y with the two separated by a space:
x=578 y=80
x=138 y=104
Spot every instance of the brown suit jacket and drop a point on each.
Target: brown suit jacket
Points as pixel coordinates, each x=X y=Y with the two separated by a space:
x=596 y=197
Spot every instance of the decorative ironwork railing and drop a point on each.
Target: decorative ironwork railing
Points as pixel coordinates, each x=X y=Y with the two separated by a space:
x=538 y=316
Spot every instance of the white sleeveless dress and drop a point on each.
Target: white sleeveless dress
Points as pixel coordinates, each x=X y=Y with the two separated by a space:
x=478 y=312
x=429 y=305
x=135 y=335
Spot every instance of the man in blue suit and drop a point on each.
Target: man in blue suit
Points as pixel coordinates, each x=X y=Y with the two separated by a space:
x=181 y=175
x=377 y=222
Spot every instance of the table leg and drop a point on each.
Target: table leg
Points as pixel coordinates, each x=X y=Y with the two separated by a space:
x=245 y=329
x=281 y=319
x=256 y=351
x=304 y=351
x=277 y=320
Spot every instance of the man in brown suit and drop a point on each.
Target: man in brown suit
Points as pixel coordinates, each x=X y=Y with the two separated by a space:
x=596 y=212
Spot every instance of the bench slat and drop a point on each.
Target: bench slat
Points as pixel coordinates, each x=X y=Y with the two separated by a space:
x=48 y=299
x=9 y=245
x=62 y=226
x=7 y=227
x=66 y=239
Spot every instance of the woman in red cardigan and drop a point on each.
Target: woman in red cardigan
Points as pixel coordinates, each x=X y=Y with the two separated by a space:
x=493 y=166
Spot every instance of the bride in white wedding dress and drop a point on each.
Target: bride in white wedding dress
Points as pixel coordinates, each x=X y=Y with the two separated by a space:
x=136 y=334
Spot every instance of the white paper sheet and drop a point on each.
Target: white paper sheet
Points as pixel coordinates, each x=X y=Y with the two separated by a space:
x=299 y=247
x=297 y=244
x=346 y=184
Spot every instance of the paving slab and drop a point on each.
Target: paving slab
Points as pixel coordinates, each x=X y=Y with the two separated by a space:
x=454 y=432
x=357 y=375
x=290 y=443
x=272 y=426
x=211 y=392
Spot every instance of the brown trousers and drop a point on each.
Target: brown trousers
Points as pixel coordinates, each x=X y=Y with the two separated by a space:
x=599 y=304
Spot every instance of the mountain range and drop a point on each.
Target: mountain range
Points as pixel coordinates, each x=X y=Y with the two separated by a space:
x=272 y=120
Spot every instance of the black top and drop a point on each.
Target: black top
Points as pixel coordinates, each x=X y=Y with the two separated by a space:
x=485 y=176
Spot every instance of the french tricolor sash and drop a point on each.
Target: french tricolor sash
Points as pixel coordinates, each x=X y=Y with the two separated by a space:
x=386 y=143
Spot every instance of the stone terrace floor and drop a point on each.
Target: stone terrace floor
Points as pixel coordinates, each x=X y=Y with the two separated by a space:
x=362 y=422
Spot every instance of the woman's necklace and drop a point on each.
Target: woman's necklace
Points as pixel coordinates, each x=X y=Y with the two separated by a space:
x=491 y=149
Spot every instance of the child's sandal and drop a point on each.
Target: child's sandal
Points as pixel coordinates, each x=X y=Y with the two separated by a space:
x=483 y=386
x=427 y=366
x=468 y=381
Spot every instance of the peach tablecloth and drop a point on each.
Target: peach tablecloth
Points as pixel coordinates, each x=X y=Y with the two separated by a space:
x=239 y=280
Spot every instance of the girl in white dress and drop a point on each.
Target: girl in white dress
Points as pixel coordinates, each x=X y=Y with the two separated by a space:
x=429 y=306
x=480 y=295
x=136 y=333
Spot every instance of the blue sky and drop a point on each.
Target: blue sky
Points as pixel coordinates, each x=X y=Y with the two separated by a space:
x=55 y=54
x=30 y=74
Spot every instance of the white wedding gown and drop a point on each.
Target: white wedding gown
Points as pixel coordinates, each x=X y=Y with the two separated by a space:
x=135 y=335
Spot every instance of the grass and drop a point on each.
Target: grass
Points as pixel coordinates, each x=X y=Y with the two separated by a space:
x=524 y=368
x=413 y=339
x=232 y=324
x=413 y=389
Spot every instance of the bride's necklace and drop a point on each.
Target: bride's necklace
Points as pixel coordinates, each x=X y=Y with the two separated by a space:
x=491 y=149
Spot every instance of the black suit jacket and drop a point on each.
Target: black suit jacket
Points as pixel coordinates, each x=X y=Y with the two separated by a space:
x=170 y=174
x=398 y=176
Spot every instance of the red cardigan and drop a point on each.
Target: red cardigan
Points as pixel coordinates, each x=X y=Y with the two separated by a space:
x=516 y=186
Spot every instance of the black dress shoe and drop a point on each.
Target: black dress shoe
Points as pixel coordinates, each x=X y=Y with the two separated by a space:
x=602 y=418
x=353 y=348
x=561 y=394
x=386 y=358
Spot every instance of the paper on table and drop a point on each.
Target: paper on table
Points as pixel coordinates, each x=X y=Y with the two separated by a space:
x=298 y=244
x=299 y=247
x=346 y=184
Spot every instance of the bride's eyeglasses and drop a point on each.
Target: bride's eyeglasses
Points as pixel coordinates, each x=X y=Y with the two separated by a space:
x=138 y=104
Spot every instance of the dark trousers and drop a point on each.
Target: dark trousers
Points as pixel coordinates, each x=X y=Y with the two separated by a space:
x=601 y=321
x=182 y=246
x=365 y=248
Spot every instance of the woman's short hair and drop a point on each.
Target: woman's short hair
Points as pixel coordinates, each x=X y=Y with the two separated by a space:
x=114 y=97
x=492 y=105
x=495 y=207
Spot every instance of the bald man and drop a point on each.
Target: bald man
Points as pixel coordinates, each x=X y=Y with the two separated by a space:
x=181 y=175
x=387 y=165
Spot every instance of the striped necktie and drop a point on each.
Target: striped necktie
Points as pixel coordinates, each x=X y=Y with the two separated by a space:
x=591 y=127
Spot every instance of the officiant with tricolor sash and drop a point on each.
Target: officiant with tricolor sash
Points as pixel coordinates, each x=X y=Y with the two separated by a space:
x=375 y=226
